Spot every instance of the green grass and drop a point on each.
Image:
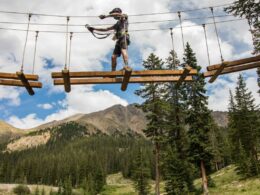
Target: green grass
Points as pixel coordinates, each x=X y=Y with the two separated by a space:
x=228 y=182
x=117 y=185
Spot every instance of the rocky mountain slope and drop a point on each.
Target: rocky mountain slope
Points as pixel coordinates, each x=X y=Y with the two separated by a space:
x=118 y=118
x=8 y=132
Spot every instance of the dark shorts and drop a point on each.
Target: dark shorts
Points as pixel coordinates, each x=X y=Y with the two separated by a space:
x=120 y=44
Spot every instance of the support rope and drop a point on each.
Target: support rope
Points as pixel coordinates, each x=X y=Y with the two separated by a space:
x=26 y=39
x=35 y=49
x=206 y=39
x=216 y=30
x=67 y=32
x=173 y=49
x=71 y=36
x=179 y=15
x=126 y=46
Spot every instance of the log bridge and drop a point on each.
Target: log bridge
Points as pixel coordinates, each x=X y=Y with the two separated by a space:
x=231 y=66
x=123 y=77
x=19 y=79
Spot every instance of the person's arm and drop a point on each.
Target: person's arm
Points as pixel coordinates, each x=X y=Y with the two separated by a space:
x=119 y=15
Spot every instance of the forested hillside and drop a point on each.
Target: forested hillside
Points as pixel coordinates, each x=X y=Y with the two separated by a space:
x=72 y=155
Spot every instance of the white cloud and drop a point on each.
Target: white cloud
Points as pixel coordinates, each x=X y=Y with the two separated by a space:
x=219 y=90
x=29 y=121
x=11 y=95
x=80 y=100
x=45 y=106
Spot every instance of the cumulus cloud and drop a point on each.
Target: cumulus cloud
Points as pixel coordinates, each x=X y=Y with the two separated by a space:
x=11 y=95
x=45 y=106
x=80 y=100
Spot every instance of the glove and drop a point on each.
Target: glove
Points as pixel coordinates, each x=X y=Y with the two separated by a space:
x=102 y=17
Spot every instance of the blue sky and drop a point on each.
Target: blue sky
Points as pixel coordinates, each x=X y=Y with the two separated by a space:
x=52 y=103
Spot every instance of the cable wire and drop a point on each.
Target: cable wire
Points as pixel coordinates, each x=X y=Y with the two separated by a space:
x=134 y=30
x=216 y=30
x=93 y=16
x=71 y=36
x=35 y=48
x=173 y=49
x=67 y=34
x=206 y=40
x=26 y=39
x=182 y=36
x=106 y=24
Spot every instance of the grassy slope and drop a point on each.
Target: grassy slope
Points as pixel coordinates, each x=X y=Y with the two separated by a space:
x=117 y=185
x=226 y=180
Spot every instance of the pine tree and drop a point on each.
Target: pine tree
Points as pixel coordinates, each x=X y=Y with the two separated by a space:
x=155 y=107
x=244 y=129
x=250 y=10
x=199 y=120
x=67 y=187
x=178 y=174
x=141 y=174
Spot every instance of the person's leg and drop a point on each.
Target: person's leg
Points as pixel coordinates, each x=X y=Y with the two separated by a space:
x=125 y=56
x=116 y=54
x=114 y=62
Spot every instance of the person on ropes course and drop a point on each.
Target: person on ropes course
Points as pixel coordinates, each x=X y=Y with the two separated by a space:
x=121 y=35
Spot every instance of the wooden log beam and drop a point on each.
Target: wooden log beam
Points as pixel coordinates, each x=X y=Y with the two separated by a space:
x=66 y=79
x=187 y=69
x=235 y=63
x=25 y=82
x=217 y=73
x=228 y=70
x=18 y=83
x=120 y=80
x=30 y=77
x=121 y=73
x=126 y=78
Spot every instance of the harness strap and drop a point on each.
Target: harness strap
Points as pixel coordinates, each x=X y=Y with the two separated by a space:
x=101 y=35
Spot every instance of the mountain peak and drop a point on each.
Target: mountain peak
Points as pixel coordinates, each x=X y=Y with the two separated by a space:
x=8 y=132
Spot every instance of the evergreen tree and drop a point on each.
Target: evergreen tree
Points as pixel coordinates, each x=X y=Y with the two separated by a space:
x=249 y=9
x=67 y=187
x=141 y=174
x=244 y=129
x=199 y=120
x=155 y=107
x=178 y=174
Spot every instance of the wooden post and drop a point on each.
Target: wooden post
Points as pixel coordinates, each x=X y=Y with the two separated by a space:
x=18 y=83
x=187 y=70
x=127 y=75
x=120 y=80
x=217 y=73
x=25 y=83
x=66 y=79
x=234 y=69
x=235 y=63
x=139 y=73
x=31 y=77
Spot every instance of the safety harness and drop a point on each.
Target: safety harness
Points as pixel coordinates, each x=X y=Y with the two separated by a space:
x=96 y=34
